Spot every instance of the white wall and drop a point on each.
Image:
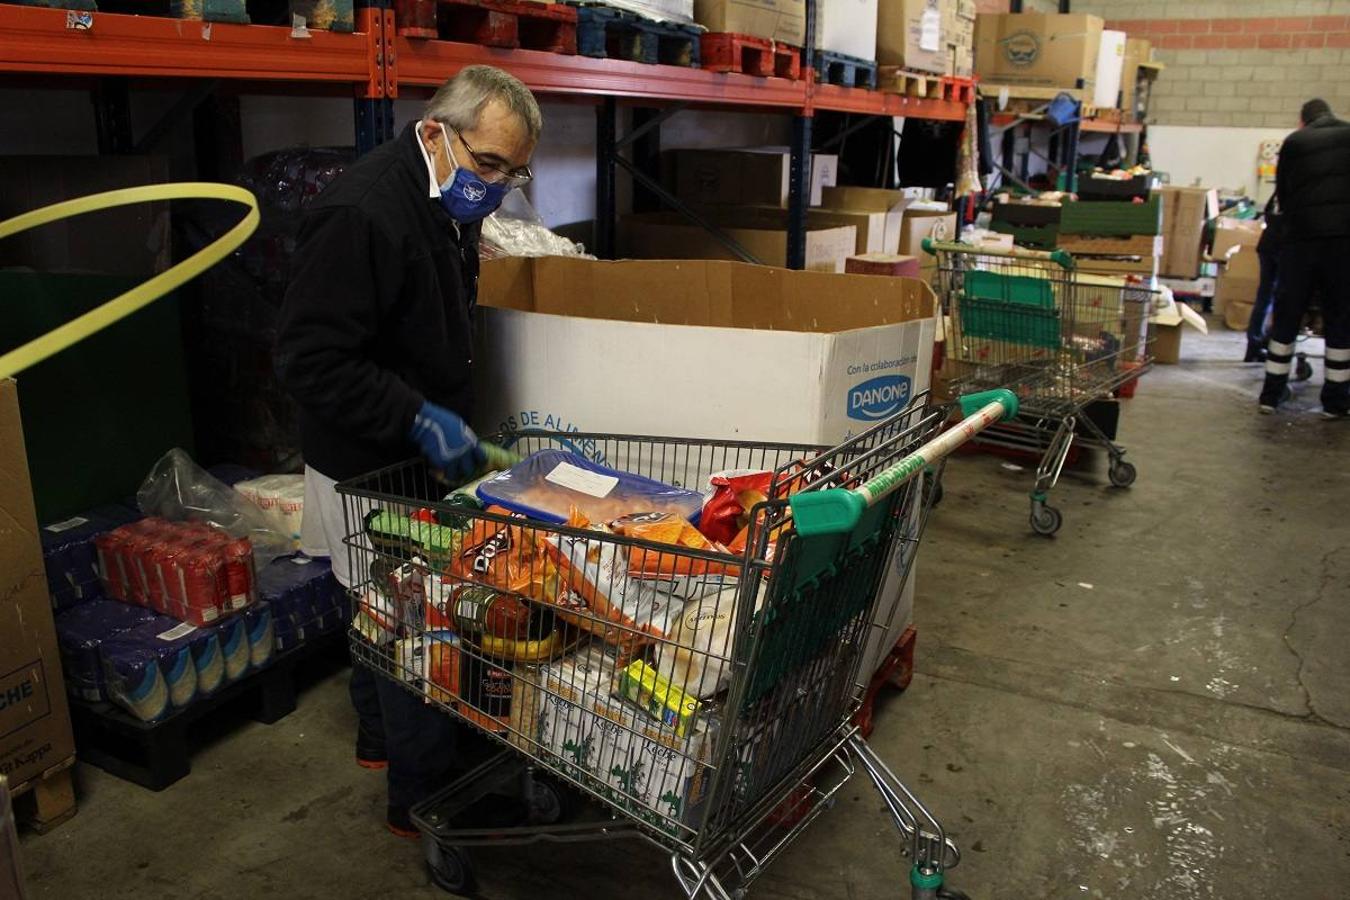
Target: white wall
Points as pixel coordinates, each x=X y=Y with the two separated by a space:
x=1218 y=157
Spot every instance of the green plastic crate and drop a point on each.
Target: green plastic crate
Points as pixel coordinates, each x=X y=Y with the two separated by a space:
x=1108 y=218
x=1018 y=290
x=1016 y=324
x=1045 y=237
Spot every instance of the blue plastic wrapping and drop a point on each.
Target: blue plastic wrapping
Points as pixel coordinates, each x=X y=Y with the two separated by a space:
x=304 y=597
x=234 y=649
x=80 y=633
x=547 y=485
x=262 y=638
x=70 y=558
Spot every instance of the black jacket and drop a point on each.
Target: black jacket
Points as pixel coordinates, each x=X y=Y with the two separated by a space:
x=1273 y=234
x=377 y=312
x=1313 y=180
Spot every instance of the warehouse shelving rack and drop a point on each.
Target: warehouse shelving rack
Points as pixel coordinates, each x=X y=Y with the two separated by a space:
x=109 y=51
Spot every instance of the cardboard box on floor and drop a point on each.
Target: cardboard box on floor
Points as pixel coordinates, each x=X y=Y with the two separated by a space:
x=763 y=232
x=1237 y=284
x=777 y=20
x=891 y=204
x=35 y=734
x=1168 y=319
x=750 y=176
x=1038 y=50
x=909 y=34
x=714 y=350
x=1185 y=212
x=1230 y=233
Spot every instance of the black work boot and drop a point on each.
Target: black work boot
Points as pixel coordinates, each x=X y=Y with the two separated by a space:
x=1336 y=400
x=1273 y=393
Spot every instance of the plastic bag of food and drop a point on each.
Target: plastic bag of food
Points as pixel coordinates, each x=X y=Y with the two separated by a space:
x=515 y=229
x=663 y=528
x=179 y=490
x=727 y=511
x=697 y=657
x=549 y=484
x=282 y=500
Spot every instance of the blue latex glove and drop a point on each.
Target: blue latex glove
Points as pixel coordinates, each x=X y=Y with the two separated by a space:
x=447 y=442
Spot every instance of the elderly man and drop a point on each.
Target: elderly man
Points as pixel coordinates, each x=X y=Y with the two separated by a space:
x=375 y=346
x=1313 y=184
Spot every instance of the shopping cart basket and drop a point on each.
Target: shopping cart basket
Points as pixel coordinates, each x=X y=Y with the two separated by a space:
x=701 y=697
x=1026 y=321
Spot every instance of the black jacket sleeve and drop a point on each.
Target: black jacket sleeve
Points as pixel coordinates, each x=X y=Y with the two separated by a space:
x=1286 y=174
x=346 y=274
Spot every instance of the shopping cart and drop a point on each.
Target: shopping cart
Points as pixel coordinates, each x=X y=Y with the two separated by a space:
x=702 y=698
x=1026 y=321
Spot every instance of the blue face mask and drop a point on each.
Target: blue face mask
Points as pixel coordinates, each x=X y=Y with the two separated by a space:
x=465 y=196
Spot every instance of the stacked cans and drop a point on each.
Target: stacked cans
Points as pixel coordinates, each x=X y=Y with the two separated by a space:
x=187 y=570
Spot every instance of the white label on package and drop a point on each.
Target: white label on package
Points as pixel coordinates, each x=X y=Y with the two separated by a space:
x=174 y=633
x=58 y=527
x=582 y=480
x=930 y=30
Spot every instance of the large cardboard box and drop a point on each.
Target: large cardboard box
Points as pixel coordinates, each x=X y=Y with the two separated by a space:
x=869 y=226
x=1185 y=212
x=715 y=350
x=35 y=731
x=1110 y=66
x=924 y=223
x=1137 y=51
x=1230 y=233
x=1038 y=50
x=777 y=20
x=848 y=27
x=1238 y=282
x=891 y=203
x=752 y=176
x=762 y=232
x=909 y=34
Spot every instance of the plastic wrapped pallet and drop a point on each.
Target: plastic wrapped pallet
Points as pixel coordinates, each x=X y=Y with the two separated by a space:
x=304 y=598
x=261 y=634
x=150 y=668
x=70 y=557
x=681 y=11
x=80 y=633
x=234 y=647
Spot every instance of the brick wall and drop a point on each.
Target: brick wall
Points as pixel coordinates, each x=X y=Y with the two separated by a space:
x=1245 y=63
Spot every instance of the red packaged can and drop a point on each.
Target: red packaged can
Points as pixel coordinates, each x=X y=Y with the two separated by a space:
x=239 y=575
x=143 y=538
x=111 y=572
x=201 y=574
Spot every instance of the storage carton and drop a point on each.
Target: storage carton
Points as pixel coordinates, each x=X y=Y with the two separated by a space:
x=1185 y=211
x=854 y=199
x=762 y=232
x=1037 y=50
x=751 y=176
x=35 y=733
x=909 y=34
x=848 y=27
x=923 y=223
x=777 y=20
x=1110 y=65
x=1230 y=233
x=1239 y=282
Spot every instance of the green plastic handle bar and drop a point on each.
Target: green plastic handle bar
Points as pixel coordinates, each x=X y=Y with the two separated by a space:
x=1062 y=258
x=838 y=510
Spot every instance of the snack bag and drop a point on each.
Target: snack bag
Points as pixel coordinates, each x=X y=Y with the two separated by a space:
x=726 y=514
x=663 y=528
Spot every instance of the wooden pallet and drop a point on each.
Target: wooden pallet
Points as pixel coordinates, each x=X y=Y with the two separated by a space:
x=508 y=24
x=1142 y=245
x=748 y=55
x=845 y=71
x=906 y=83
x=155 y=755
x=607 y=33
x=959 y=89
x=44 y=802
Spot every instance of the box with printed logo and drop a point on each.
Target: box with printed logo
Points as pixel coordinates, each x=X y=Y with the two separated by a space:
x=35 y=733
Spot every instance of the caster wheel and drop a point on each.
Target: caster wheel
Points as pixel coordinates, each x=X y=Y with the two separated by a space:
x=450 y=868
x=1122 y=473
x=1045 y=519
x=550 y=803
x=1302 y=369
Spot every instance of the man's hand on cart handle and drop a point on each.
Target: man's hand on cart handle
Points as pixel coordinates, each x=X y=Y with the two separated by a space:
x=837 y=511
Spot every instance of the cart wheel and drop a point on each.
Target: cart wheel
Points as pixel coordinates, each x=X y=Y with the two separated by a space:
x=450 y=868
x=550 y=804
x=1122 y=473
x=948 y=893
x=1045 y=519
x=934 y=491
x=1302 y=368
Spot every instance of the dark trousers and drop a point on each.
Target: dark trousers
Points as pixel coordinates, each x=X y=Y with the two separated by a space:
x=419 y=740
x=1265 y=295
x=1305 y=267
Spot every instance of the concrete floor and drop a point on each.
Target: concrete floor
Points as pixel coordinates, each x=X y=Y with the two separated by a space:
x=1155 y=703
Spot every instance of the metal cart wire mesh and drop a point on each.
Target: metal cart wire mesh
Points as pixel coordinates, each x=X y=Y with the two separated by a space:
x=702 y=698
x=1059 y=340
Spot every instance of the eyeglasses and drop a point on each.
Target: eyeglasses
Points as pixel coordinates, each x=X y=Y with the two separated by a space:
x=496 y=174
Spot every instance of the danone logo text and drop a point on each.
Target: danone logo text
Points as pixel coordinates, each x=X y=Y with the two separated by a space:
x=878 y=398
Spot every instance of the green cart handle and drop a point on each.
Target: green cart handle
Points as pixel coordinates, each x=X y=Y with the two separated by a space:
x=838 y=510
x=1062 y=258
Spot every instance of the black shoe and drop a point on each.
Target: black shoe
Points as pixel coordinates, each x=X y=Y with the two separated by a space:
x=400 y=822
x=370 y=752
x=1272 y=395
x=1256 y=351
x=1336 y=412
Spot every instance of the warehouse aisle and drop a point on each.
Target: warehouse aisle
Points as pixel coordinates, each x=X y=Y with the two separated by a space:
x=1156 y=703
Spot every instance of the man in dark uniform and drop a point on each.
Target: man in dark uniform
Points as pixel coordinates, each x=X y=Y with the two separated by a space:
x=1313 y=184
x=376 y=347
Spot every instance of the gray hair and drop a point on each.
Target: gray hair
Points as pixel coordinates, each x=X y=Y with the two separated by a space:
x=459 y=102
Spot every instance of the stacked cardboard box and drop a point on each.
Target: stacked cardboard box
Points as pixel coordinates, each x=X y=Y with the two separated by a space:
x=775 y=20
x=1113 y=237
x=847 y=27
x=1236 y=291
x=1034 y=50
x=1185 y=212
x=958 y=36
x=910 y=34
